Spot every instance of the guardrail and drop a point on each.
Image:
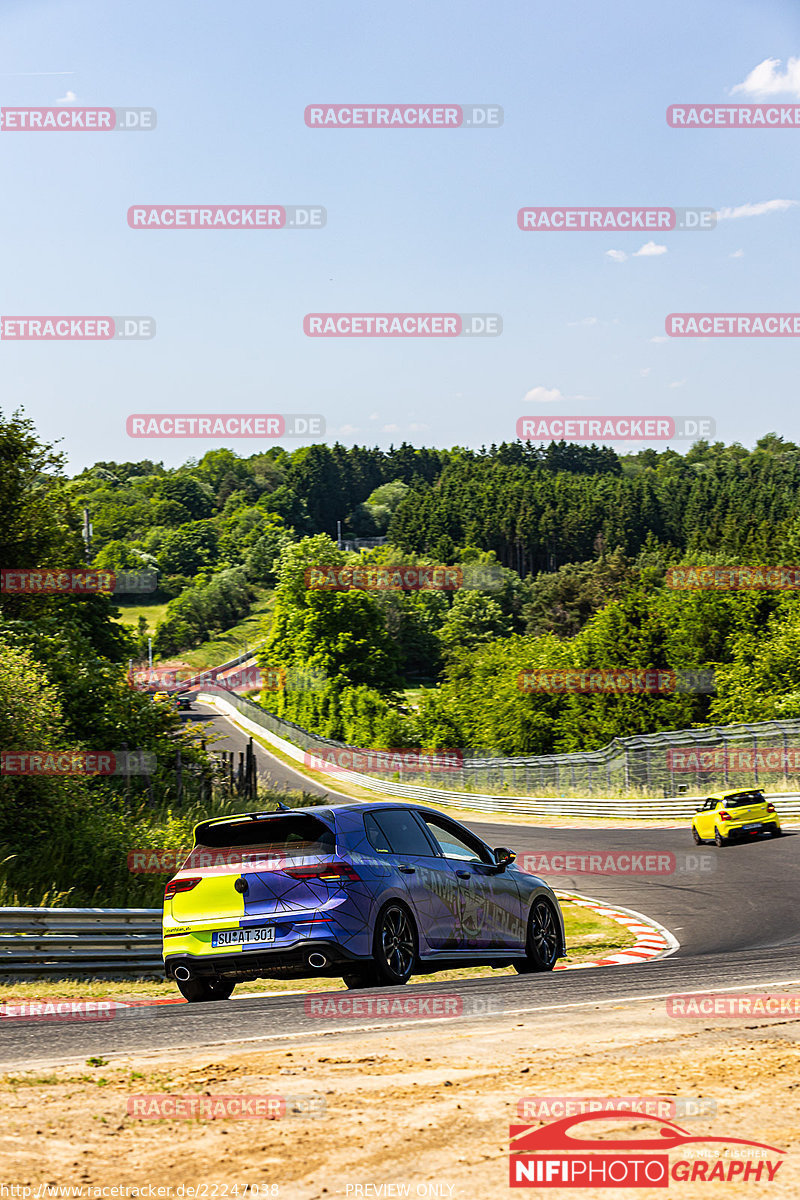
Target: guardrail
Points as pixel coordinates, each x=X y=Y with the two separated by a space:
x=254 y=719
x=124 y=942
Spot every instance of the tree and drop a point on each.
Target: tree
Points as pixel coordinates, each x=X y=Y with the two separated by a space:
x=195 y=497
x=189 y=549
x=473 y=619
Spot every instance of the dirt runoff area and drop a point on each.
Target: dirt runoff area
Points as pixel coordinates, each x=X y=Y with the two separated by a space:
x=418 y=1111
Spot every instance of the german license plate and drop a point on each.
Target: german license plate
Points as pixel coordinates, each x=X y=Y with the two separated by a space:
x=243 y=937
x=757 y=825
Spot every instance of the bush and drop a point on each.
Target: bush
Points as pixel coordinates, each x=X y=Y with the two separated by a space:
x=209 y=607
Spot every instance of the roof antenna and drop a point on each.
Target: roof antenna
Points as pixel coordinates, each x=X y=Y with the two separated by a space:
x=283 y=807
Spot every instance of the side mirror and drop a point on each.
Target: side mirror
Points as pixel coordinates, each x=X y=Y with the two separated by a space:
x=503 y=857
x=700 y=808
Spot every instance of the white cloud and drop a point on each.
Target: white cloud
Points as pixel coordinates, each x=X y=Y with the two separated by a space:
x=676 y=383
x=767 y=80
x=70 y=98
x=585 y=321
x=661 y=338
x=755 y=210
x=645 y=371
x=390 y=429
x=737 y=254
x=374 y=417
x=650 y=250
x=349 y=429
x=543 y=395
x=415 y=427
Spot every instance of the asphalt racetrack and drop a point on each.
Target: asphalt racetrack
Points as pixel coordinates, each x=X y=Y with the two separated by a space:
x=734 y=912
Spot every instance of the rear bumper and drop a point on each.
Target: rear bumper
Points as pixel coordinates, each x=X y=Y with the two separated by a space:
x=735 y=833
x=252 y=964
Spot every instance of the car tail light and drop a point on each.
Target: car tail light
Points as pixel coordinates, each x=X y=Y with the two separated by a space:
x=337 y=872
x=180 y=885
x=770 y=808
x=724 y=816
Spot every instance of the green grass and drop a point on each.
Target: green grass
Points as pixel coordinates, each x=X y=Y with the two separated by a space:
x=232 y=642
x=130 y=613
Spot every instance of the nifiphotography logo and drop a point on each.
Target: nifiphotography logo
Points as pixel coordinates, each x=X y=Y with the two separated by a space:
x=552 y=1156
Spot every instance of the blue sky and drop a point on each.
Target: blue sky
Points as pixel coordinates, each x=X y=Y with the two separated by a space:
x=418 y=220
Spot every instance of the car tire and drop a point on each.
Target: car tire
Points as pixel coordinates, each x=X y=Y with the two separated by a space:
x=719 y=840
x=197 y=990
x=775 y=831
x=394 y=923
x=394 y=946
x=360 y=979
x=697 y=839
x=541 y=944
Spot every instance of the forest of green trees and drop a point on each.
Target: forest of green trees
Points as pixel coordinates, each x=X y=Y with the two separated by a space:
x=564 y=552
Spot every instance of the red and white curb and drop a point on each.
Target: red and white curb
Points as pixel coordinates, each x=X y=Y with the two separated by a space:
x=652 y=940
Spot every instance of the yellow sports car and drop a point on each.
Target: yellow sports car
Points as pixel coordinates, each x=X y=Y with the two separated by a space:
x=735 y=816
x=161 y=697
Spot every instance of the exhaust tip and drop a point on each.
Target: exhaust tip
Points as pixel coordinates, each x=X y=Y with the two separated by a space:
x=183 y=973
x=318 y=961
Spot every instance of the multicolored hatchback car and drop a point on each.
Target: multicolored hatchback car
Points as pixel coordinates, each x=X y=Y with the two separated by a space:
x=727 y=817
x=371 y=893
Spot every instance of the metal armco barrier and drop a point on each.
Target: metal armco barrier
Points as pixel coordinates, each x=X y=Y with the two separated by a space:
x=86 y=941
x=256 y=720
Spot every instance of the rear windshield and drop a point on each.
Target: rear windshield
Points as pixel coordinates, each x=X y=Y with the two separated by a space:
x=744 y=799
x=270 y=841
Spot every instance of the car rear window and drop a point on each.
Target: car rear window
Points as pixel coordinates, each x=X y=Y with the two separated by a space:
x=292 y=836
x=744 y=799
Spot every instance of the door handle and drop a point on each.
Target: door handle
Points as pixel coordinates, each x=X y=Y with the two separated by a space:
x=407 y=870
x=464 y=874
